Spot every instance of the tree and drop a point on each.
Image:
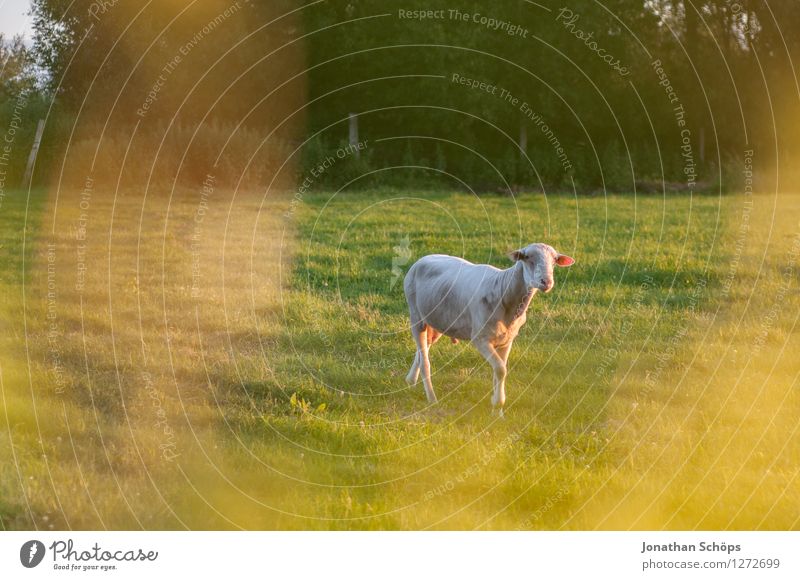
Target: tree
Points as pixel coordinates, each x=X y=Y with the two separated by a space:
x=17 y=73
x=114 y=53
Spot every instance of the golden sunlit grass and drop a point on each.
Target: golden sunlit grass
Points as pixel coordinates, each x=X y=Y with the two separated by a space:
x=205 y=380
x=714 y=444
x=125 y=410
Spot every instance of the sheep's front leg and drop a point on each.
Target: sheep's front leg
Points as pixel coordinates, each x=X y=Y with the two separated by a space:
x=503 y=352
x=499 y=371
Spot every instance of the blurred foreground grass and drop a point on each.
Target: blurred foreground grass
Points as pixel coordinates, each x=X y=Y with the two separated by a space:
x=193 y=376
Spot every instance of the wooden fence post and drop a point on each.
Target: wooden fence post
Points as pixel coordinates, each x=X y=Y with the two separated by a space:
x=354 y=134
x=37 y=140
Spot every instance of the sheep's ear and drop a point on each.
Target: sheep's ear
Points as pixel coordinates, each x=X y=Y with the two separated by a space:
x=517 y=255
x=564 y=260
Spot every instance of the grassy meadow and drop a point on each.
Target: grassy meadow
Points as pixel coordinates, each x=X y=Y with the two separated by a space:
x=215 y=359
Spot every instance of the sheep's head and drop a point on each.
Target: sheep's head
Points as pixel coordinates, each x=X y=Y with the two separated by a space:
x=538 y=261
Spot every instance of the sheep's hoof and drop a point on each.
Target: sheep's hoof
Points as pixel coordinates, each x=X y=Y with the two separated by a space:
x=431 y=396
x=500 y=414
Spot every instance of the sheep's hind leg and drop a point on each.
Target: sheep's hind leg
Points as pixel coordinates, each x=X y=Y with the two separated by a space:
x=421 y=336
x=413 y=374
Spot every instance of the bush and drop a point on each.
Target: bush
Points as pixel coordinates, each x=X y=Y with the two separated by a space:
x=178 y=155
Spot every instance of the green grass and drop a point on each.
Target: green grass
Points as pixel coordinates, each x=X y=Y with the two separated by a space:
x=16 y=250
x=596 y=370
x=638 y=396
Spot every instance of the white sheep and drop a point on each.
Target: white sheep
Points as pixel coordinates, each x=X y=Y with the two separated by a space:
x=476 y=302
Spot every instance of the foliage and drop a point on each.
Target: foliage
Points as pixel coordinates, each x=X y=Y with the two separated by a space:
x=728 y=64
x=725 y=61
x=16 y=68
